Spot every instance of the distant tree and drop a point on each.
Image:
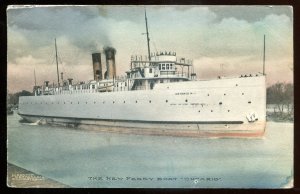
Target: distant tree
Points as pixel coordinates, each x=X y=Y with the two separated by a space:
x=14 y=98
x=289 y=97
x=282 y=95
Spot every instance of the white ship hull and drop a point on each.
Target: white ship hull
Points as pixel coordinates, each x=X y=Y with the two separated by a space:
x=222 y=107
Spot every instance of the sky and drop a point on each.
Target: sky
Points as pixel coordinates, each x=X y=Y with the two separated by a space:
x=221 y=40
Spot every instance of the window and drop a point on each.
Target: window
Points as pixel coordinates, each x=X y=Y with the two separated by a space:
x=171 y=66
x=167 y=66
x=163 y=67
x=159 y=67
x=150 y=70
x=93 y=86
x=161 y=81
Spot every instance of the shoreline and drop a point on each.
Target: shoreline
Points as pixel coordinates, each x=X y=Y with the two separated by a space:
x=18 y=177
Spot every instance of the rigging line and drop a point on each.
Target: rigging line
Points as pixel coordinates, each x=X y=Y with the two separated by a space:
x=153 y=41
x=53 y=58
x=60 y=58
x=63 y=67
x=154 y=45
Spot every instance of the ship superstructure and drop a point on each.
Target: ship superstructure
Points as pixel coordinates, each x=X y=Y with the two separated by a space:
x=159 y=94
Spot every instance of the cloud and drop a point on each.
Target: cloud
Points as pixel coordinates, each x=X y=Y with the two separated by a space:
x=208 y=35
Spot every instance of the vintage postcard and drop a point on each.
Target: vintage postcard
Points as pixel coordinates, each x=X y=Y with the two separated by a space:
x=153 y=96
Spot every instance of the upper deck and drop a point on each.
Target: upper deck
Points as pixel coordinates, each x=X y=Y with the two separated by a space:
x=163 y=67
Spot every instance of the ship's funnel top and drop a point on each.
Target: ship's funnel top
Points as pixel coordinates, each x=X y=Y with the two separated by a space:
x=97 y=66
x=110 y=53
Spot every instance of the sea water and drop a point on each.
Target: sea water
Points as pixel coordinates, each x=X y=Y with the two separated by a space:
x=88 y=158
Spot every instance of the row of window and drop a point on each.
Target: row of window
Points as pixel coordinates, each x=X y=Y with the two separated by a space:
x=165 y=66
x=85 y=87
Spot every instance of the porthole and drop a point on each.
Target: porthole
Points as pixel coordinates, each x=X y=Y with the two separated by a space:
x=186 y=100
x=149 y=101
x=224 y=94
x=136 y=101
x=211 y=111
x=249 y=102
x=228 y=110
x=166 y=101
x=207 y=94
x=242 y=93
x=220 y=103
x=113 y=102
x=124 y=102
x=236 y=84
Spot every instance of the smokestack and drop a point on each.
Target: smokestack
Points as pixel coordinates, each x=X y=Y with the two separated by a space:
x=110 y=53
x=70 y=81
x=97 y=66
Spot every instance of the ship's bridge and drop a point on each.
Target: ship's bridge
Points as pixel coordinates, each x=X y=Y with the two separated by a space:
x=161 y=64
x=163 y=67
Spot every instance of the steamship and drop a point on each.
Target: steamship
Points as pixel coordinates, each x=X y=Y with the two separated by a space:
x=159 y=95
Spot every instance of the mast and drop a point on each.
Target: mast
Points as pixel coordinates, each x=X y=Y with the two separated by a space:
x=34 y=78
x=264 y=55
x=56 y=62
x=148 y=39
